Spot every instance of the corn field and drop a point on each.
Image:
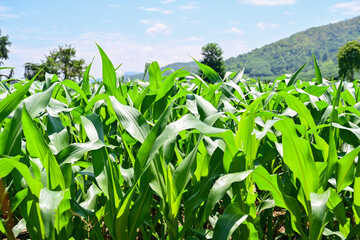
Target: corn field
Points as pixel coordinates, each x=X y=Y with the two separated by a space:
x=177 y=157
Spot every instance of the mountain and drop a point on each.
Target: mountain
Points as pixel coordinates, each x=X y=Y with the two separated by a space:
x=289 y=54
x=131 y=73
x=189 y=66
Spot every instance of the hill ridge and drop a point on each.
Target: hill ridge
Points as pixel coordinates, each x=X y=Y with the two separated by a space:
x=289 y=54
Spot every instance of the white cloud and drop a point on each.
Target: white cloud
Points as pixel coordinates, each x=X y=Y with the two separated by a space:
x=350 y=8
x=4 y=9
x=132 y=53
x=262 y=25
x=236 y=30
x=4 y=16
x=167 y=1
x=156 y=9
x=114 y=5
x=158 y=28
x=287 y=13
x=120 y=48
x=189 y=6
x=5 y=13
x=269 y=2
x=233 y=48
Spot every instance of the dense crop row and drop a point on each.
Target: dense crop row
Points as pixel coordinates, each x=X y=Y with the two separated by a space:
x=179 y=158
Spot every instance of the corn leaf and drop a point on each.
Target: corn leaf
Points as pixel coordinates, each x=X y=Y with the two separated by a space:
x=9 y=104
x=229 y=221
x=37 y=147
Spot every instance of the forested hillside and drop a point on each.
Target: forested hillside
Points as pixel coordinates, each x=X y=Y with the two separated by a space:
x=289 y=54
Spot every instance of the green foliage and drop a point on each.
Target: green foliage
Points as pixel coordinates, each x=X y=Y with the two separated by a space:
x=349 y=59
x=4 y=44
x=4 y=54
x=213 y=57
x=60 y=61
x=176 y=157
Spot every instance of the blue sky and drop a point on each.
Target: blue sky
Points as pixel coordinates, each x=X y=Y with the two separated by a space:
x=167 y=31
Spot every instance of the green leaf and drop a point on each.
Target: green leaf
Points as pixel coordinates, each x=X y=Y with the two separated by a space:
x=49 y=204
x=57 y=133
x=85 y=82
x=145 y=149
x=7 y=164
x=155 y=78
x=131 y=120
x=318 y=213
x=37 y=147
x=229 y=221
x=298 y=157
x=109 y=77
x=19 y=197
x=93 y=127
x=10 y=142
x=335 y=101
x=268 y=182
x=209 y=73
x=205 y=108
x=271 y=183
x=293 y=78
x=219 y=189
x=298 y=106
x=9 y=104
x=147 y=65
x=327 y=232
x=356 y=203
x=345 y=170
x=169 y=82
x=316 y=90
x=121 y=221
x=76 y=151
x=186 y=122
x=185 y=170
x=73 y=85
x=88 y=217
x=336 y=205
x=245 y=139
x=317 y=71
x=355 y=232
x=140 y=210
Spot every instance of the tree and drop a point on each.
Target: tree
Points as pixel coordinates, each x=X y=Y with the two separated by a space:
x=31 y=69
x=212 y=57
x=61 y=62
x=349 y=59
x=4 y=44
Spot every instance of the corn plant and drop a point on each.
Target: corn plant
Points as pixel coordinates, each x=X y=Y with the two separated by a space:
x=178 y=157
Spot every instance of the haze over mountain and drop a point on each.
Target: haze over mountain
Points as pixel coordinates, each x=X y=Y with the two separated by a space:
x=289 y=54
